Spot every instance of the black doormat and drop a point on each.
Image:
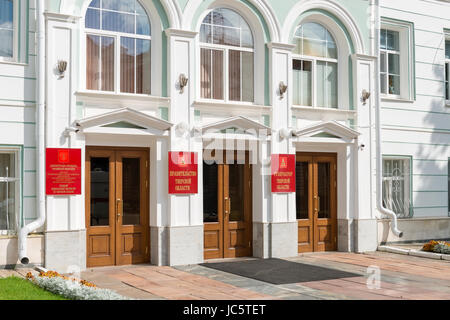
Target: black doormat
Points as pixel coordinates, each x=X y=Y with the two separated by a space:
x=276 y=271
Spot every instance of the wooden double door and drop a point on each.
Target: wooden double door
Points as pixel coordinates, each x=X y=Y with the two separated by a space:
x=316 y=200
x=117 y=206
x=227 y=206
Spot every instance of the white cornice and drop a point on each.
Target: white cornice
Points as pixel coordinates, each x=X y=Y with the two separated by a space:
x=180 y=33
x=61 y=17
x=281 y=46
x=121 y=99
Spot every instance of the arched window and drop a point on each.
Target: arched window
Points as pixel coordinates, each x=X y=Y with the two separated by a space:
x=118 y=35
x=226 y=59
x=315 y=67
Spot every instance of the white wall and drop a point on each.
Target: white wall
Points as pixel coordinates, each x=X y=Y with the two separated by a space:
x=17 y=109
x=421 y=128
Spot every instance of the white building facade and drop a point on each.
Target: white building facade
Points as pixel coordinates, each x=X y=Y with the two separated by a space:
x=234 y=84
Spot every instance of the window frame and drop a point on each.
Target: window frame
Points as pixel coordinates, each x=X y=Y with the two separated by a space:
x=117 y=36
x=408 y=192
x=314 y=89
x=407 y=58
x=447 y=72
x=225 y=64
x=314 y=60
x=15 y=48
x=387 y=53
x=18 y=188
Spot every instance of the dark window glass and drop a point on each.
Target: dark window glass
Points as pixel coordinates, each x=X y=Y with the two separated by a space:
x=210 y=209
x=302 y=190
x=324 y=172
x=236 y=189
x=131 y=184
x=99 y=192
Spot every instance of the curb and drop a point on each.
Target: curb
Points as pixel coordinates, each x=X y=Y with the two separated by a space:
x=40 y=269
x=415 y=253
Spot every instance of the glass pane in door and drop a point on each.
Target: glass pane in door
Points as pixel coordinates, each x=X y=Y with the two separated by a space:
x=131 y=183
x=302 y=190
x=210 y=210
x=99 y=192
x=236 y=192
x=324 y=189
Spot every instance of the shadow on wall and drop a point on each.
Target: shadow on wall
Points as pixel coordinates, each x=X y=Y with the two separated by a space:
x=429 y=167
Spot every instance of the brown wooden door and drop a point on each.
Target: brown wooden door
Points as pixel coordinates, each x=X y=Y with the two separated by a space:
x=213 y=208
x=227 y=198
x=132 y=228
x=316 y=199
x=117 y=218
x=100 y=207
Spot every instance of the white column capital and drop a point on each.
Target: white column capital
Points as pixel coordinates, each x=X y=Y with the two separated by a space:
x=171 y=32
x=280 y=46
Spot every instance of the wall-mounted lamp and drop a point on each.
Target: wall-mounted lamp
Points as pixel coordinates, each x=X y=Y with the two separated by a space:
x=283 y=88
x=285 y=133
x=181 y=129
x=183 y=81
x=69 y=130
x=365 y=96
x=62 y=67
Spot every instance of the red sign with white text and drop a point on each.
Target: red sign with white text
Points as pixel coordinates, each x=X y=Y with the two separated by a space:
x=283 y=173
x=63 y=172
x=183 y=173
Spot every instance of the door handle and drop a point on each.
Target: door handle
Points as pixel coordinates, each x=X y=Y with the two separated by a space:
x=119 y=209
x=317 y=208
x=227 y=205
x=318 y=204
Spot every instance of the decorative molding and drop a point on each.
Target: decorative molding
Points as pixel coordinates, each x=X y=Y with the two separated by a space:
x=121 y=99
x=324 y=113
x=61 y=17
x=281 y=46
x=364 y=57
x=180 y=33
x=231 y=107
x=127 y=115
x=239 y=122
x=174 y=13
x=263 y=7
x=334 y=8
x=331 y=127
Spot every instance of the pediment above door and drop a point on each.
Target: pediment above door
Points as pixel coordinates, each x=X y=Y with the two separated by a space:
x=237 y=124
x=330 y=132
x=124 y=121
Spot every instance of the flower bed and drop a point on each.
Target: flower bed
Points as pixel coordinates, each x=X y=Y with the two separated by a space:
x=72 y=288
x=437 y=247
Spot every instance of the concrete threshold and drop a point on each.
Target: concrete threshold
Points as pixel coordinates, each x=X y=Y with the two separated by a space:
x=415 y=253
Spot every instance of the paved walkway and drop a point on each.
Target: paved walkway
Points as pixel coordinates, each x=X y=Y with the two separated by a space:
x=402 y=277
x=19 y=273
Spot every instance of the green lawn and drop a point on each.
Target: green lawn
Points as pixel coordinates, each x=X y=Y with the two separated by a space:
x=14 y=288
